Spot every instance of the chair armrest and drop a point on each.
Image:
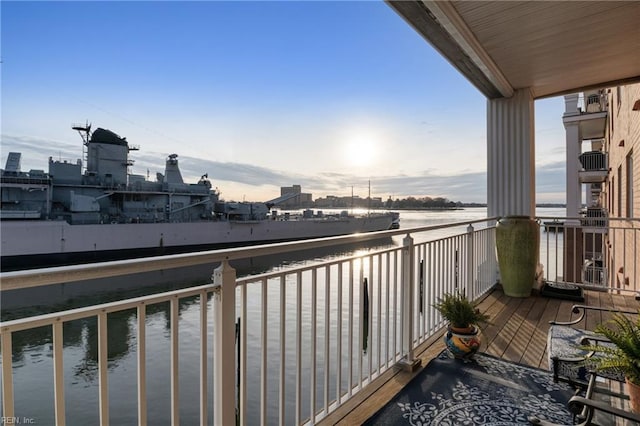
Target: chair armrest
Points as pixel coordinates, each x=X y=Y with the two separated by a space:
x=577 y=403
x=576 y=406
x=594 y=339
x=582 y=310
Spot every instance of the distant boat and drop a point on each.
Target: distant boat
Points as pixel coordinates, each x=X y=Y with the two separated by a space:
x=102 y=212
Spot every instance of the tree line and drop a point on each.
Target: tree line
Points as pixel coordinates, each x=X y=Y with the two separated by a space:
x=427 y=203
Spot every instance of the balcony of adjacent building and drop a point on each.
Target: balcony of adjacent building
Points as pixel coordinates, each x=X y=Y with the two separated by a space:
x=594 y=167
x=595 y=219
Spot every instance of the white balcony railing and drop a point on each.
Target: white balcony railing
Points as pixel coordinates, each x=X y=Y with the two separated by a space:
x=594 y=161
x=309 y=337
x=316 y=335
x=597 y=252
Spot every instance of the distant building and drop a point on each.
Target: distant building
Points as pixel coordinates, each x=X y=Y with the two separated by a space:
x=331 y=201
x=300 y=200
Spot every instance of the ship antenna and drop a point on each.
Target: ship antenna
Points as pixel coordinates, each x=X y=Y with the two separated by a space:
x=84 y=130
x=85 y=134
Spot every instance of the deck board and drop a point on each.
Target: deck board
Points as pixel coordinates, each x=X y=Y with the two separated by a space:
x=518 y=333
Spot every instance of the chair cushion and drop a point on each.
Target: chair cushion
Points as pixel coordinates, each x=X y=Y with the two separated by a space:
x=567 y=360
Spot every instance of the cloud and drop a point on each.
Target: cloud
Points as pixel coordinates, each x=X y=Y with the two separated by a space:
x=467 y=186
x=551 y=177
x=32 y=149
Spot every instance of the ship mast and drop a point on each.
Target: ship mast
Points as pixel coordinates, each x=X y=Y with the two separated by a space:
x=85 y=134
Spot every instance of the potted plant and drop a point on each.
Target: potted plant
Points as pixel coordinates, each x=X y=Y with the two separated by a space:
x=463 y=332
x=622 y=356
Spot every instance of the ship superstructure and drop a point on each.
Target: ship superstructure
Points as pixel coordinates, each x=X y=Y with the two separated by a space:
x=74 y=213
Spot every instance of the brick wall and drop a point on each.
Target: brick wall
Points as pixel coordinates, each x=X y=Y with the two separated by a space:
x=623 y=143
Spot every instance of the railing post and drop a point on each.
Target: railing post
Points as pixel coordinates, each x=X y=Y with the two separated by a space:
x=224 y=307
x=471 y=288
x=408 y=362
x=7 y=375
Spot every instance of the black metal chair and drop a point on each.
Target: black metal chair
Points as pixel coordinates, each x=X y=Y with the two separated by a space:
x=569 y=362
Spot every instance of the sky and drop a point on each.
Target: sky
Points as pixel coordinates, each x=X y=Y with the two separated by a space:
x=258 y=95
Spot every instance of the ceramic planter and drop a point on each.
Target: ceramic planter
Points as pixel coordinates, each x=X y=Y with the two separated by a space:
x=633 y=391
x=517 y=245
x=462 y=343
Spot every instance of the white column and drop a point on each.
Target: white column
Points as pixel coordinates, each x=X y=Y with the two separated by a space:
x=573 y=148
x=511 y=155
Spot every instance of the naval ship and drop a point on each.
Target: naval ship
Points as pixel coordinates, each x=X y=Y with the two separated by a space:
x=74 y=214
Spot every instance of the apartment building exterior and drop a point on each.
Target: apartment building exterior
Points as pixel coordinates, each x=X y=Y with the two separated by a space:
x=603 y=149
x=621 y=192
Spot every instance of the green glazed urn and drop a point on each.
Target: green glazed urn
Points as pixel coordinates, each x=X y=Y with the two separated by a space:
x=518 y=246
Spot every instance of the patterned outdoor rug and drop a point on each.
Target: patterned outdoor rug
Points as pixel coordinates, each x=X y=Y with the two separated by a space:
x=483 y=391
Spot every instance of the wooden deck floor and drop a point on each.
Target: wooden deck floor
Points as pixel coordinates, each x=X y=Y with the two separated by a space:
x=518 y=333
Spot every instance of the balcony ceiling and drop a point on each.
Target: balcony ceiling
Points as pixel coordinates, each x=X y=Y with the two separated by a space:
x=552 y=47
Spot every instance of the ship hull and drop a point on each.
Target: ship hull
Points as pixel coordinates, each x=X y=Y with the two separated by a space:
x=34 y=244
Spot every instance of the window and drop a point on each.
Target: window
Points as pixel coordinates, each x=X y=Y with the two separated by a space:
x=612 y=195
x=620 y=191
x=629 y=164
x=611 y=186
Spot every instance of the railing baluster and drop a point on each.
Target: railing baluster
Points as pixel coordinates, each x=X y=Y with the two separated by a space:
x=7 y=375
x=327 y=346
x=449 y=264
x=379 y=345
x=58 y=373
x=624 y=256
x=142 y=364
x=203 y=359
x=395 y=305
x=350 y=331
x=471 y=262
x=283 y=336
x=387 y=304
x=263 y=354
x=369 y=320
x=339 y=338
x=243 y=356
x=442 y=285
x=298 y=347
x=314 y=314
x=360 y=320
x=175 y=369
x=103 y=383
x=420 y=249
x=428 y=287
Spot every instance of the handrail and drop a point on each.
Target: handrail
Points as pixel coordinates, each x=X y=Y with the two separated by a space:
x=621 y=219
x=85 y=312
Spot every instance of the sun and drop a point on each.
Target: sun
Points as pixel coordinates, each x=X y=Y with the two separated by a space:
x=361 y=150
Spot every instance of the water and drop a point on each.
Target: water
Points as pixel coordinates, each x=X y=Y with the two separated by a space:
x=33 y=362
